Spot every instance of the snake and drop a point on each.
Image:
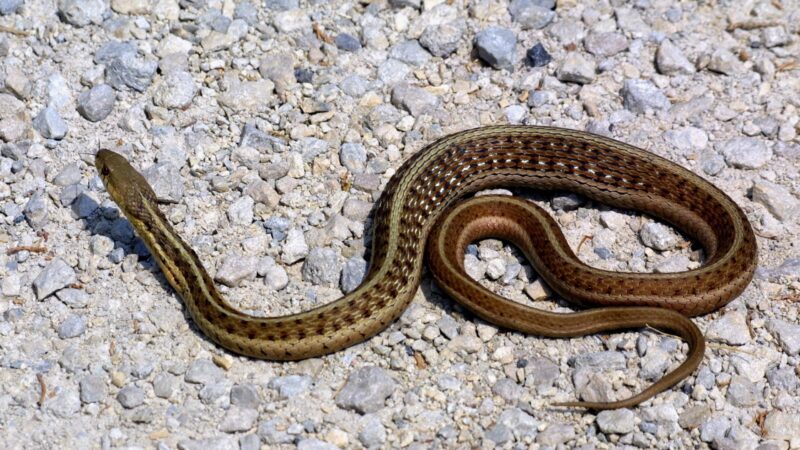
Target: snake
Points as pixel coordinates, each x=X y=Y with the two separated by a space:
x=426 y=211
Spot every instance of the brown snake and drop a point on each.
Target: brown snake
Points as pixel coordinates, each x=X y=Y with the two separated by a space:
x=414 y=200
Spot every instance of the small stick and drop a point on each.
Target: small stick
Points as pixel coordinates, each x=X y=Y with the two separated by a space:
x=586 y=237
x=43 y=389
x=26 y=248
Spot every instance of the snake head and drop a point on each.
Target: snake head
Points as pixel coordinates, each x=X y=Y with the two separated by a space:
x=127 y=187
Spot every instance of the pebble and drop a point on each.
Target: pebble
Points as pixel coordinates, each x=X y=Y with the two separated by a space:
x=670 y=60
x=72 y=326
x=291 y=386
x=442 y=40
x=745 y=152
x=777 y=199
x=130 y=396
x=203 y=371
x=165 y=385
x=617 y=421
x=97 y=103
x=57 y=275
x=530 y=15
x=556 y=434
x=93 y=389
x=638 y=96
x=781 y=425
x=35 y=211
x=538 y=56
x=410 y=52
x=353 y=273
x=235 y=269
x=576 y=68
x=347 y=42
x=81 y=13
x=241 y=211
x=742 y=392
x=497 y=47
x=730 y=329
x=366 y=390
x=413 y=99
x=373 y=433
x=321 y=266
x=248 y=96
x=176 y=90
x=238 y=420
x=657 y=236
x=50 y=124
x=523 y=425
x=725 y=62
x=605 y=44
x=687 y=138
x=788 y=335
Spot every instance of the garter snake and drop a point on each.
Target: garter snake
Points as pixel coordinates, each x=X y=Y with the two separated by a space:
x=410 y=213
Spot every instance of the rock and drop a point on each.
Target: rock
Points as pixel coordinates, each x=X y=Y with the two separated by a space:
x=724 y=62
x=657 y=236
x=295 y=247
x=238 y=420
x=248 y=96
x=203 y=371
x=355 y=269
x=130 y=396
x=781 y=425
x=507 y=389
x=775 y=36
x=605 y=44
x=576 y=68
x=291 y=386
x=410 y=52
x=687 y=138
x=537 y=56
x=50 y=124
x=97 y=103
x=777 y=199
x=413 y=99
x=35 y=211
x=165 y=385
x=442 y=40
x=176 y=91
x=366 y=390
x=292 y=20
x=8 y=7
x=640 y=95
x=165 y=179
x=347 y=42
x=72 y=326
x=671 y=61
x=618 y=421
x=712 y=163
x=373 y=433
x=530 y=15
x=82 y=12
x=127 y=69
x=555 y=435
x=57 y=275
x=321 y=266
x=93 y=389
x=245 y=396
x=353 y=156
x=235 y=269
x=497 y=47
x=730 y=329
x=746 y=153
x=788 y=335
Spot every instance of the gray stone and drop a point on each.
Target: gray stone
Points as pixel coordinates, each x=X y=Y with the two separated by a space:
x=373 y=433
x=35 y=211
x=530 y=15
x=74 y=298
x=353 y=156
x=392 y=71
x=497 y=47
x=783 y=378
x=730 y=329
x=746 y=152
x=97 y=103
x=605 y=44
x=72 y=326
x=127 y=69
x=781 y=425
x=556 y=434
x=321 y=266
x=70 y=174
x=725 y=62
x=238 y=420
x=640 y=95
x=777 y=199
x=248 y=96
x=523 y=425
x=347 y=42
x=742 y=392
x=576 y=68
x=657 y=236
x=618 y=421
x=353 y=273
x=410 y=52
x=775 y=36
x=315 y=444
x=687 y=138
x=8 y=7
x=130 y=396
x=93 y=389
x=214 y=443
x=442 y=40
x=265 y=143
x=245 y=396
x=82 y=12
x=241 y=211
x=788 y=335
x=235 y=269
x=675 y=263
x=57 y=275
x=507 y=389
x=291 y=386
x=50 y=124
x=165 y=179
x=712 y=163
x=630 y=20
x=413 y=99
x=671 y=61
x=249 y=13
x=292 y=20
x=176 y=91
x=165 y=385
x=203 y=371
x=281 y=5
x=366 y=390
x=354 y=85
x=600 y=360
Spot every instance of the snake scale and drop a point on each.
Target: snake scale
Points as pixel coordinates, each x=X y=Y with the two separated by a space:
x=412 y=213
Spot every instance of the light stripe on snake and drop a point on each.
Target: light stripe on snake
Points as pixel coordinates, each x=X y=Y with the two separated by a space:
x=416 y=198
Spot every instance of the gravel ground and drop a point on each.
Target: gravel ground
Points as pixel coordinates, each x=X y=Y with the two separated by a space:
x=270 y=128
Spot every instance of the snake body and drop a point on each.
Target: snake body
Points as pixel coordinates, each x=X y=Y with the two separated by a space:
x=413 y=204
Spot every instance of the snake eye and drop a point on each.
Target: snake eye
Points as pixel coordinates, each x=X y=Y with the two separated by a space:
x=105 y=171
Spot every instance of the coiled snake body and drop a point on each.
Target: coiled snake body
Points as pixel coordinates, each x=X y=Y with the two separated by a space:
x=409 y=214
